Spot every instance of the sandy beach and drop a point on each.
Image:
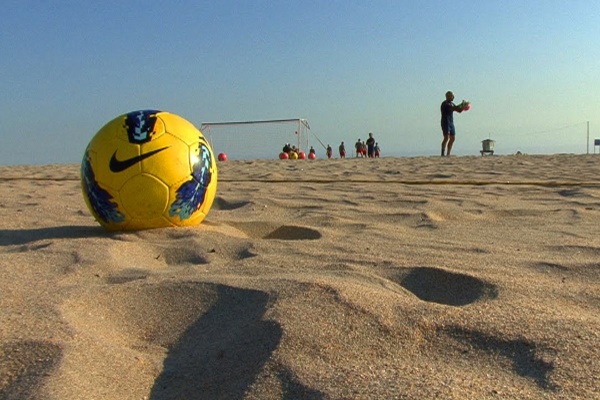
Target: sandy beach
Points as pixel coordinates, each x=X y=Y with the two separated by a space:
x=392 y=278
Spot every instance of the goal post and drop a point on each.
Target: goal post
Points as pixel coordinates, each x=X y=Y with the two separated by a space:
x=256 y=139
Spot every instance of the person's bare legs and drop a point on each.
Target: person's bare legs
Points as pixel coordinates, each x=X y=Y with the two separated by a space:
x=444 y=142
x=450 y=142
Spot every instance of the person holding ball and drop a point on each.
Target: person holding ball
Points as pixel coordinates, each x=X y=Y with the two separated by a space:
x=448 y=108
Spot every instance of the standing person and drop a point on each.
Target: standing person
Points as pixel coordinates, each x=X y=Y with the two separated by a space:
x=342 y=150
x=371 y=146
x=358 y=147
x=377 y=150
x=329 y=151
x=448 y=108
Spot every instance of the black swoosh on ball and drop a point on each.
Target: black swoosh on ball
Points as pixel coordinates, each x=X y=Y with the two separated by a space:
x=121 y=165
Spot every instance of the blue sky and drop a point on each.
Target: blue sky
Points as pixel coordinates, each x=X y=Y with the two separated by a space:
x=530 y=68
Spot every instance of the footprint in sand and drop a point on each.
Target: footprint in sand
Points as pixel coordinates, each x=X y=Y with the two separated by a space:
x=182 y=255
x=444 y=287
x=222 y=204
x=290 y=232
x=264 y=230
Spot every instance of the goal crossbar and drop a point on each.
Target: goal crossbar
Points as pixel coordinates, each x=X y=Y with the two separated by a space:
x=256 y=139
x=270 y=121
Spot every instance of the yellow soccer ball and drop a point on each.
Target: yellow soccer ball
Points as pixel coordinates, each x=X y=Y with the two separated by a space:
x=148 y=169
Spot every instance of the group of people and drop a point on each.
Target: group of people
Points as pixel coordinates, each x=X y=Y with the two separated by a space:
x=369 y=149
x=293 y=150
x=287 y=148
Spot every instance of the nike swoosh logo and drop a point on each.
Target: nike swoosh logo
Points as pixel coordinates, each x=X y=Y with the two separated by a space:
x=121 y=165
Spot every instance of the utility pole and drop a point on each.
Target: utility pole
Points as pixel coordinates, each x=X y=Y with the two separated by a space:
x=588 y=137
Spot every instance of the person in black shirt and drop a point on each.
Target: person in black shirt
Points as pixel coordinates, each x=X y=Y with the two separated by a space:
x=371 y=146
x=447 y=109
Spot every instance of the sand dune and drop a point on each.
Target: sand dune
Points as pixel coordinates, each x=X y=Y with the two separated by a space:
x=395 y=278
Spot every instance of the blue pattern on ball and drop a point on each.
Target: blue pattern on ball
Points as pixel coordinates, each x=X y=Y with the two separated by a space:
x=140 y=125
x=191 y=194
x=99 y=199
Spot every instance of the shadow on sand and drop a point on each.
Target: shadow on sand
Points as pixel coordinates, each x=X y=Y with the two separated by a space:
x=9 y=237
x=223 y=352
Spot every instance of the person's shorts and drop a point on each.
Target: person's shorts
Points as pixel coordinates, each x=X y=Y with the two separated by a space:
x=449 y=130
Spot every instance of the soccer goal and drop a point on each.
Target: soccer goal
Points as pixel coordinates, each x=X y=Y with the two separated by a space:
x=245 y=140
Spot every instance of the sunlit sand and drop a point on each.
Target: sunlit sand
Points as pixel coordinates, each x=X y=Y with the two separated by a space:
x=406 y=278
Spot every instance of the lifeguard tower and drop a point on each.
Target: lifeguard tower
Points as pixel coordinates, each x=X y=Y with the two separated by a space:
x=487 y=147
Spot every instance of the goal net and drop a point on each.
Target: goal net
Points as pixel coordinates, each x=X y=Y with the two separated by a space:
x=256 y=139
